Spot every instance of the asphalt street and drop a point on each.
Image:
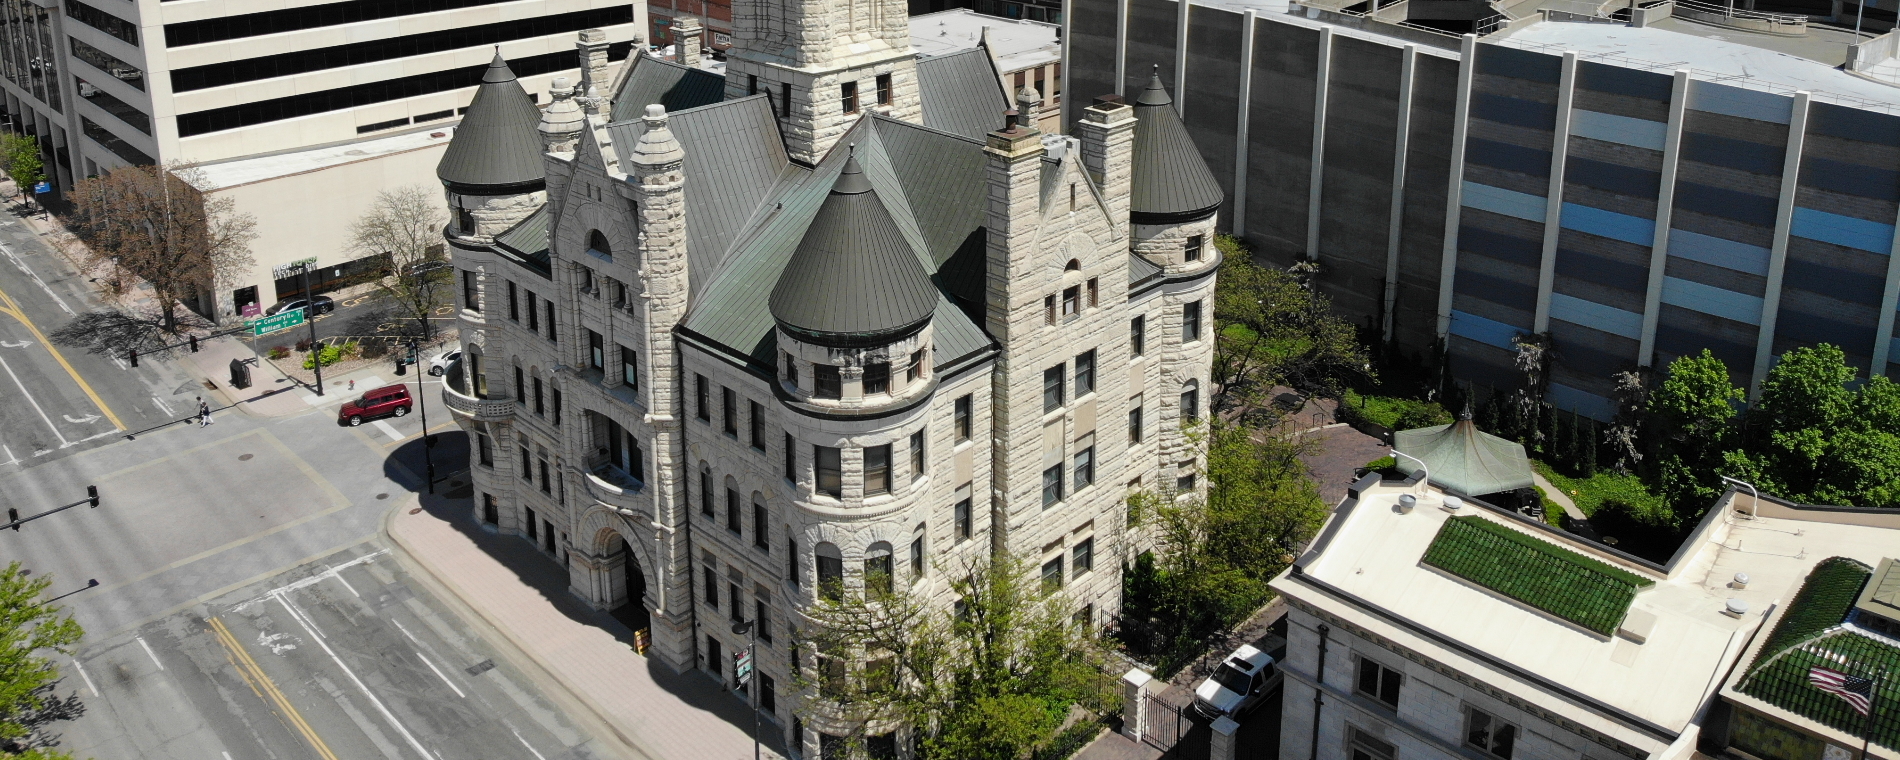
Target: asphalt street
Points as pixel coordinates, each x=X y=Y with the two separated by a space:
x=217 y=548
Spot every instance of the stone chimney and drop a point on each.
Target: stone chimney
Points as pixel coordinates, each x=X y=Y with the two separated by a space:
x=1028 y=102
x=687 y=34
x=1014 y=154
x=593 y=49
x=1108 y=148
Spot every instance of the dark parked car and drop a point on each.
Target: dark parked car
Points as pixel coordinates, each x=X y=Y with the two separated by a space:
x=324 y=305
x=387 y=401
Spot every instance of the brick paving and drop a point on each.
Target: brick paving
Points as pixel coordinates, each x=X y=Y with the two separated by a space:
x=523 y=595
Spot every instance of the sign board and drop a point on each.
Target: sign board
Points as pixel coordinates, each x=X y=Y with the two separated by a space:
x=743 y=671
x=42 y=188
x=282 y=320
x=252 y=310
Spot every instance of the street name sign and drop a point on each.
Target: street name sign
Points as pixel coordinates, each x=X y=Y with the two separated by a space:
x=282 y=320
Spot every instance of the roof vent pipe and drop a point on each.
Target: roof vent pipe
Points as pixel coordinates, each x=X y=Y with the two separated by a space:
x=1406 y=503
x=1741 y=581
x=1735 y=608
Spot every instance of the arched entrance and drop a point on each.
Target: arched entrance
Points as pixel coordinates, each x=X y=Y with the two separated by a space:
x=632 y=611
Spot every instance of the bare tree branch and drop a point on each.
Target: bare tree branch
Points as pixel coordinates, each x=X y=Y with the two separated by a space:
x=151 y=223
x=405 y=224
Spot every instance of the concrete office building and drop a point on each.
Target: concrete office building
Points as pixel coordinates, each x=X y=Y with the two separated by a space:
x=1420 y=631
x=1639 y=190
x=266 y=93
x=826 y=321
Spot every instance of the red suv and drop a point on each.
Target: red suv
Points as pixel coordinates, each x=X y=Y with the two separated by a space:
x=389 y=400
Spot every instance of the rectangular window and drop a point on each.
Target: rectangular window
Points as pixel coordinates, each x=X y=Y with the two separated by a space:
x=732 y=592
x=491 y=509
x=762 y=616
x=732 y=511
x=917 y=455
x=596 y=351
x=554 y=396
x=916 y=370
x=791 y=370
x=534 y=315
x=702 y=397
x=471 y=291
x=755 y=424
x=1049 y=310
x=533 y=532
x=540 y=408
x=877 y=469
x=1489 y=734
x=1378 y=682
x=1083 y=556
x=1191 y=322
x=485 y=449
x=705 y=493
x=1071 y=301
x=768 y=694
x=1095 y=292
x=108 y=63
x=877 y=378
x=825 y=382
x=1190 y=403
x=630 y=368
x=1052 y=574
x=521 y=385
x=1363 y=746
x=785 y=97
x=1134 y=420
x=1085 y=373
x=1052 y=485
x=547 y=483
x=917 y=557
x=964 y=518
x=1184 y=481
x=830 y=471
x=1085 y=468
x=527 y=466
x=791 y=561
x=730 y=402
x=126 y=31
x=791 y=458
x=884 y=89
x=1052 y=391
x=848 y=94
x=1194 y=248
x=1137 y=336
x=965 y=410
x=712 y=586
x=514 y=302
x=550 y=307
x=761 y=528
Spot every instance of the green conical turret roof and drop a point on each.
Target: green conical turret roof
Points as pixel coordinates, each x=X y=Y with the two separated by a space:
x=1171 y=181
x=496 y=145
x=854 y=278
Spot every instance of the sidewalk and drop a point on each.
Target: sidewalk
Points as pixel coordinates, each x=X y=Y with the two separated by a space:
x=272 y=393
x=583 y=653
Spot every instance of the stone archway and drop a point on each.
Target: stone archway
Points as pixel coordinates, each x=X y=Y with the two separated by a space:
x=631 y=609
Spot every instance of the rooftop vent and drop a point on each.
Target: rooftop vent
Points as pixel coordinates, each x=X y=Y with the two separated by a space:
x=1453 y=504
x=1740 y=582
x=1406 y=503
x=1735 y=607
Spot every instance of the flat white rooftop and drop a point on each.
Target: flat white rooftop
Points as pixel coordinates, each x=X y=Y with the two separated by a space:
x=1016 y=43
x=1731 y=57
x=1374 y=552
x=249 y=169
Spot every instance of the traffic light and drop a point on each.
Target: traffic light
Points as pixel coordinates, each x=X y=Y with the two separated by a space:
x=92 y=495
x=13 y=516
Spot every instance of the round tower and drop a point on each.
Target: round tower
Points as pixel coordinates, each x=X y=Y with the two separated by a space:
x=492 y=170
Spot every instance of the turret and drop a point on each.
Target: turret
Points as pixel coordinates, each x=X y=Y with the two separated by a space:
x=1173 y=197
x=562 y=122
x=492 y=170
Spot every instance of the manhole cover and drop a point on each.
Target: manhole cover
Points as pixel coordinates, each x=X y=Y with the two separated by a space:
x=416 y=511
x=245 y=457
x=481 y=667
x=381 y=496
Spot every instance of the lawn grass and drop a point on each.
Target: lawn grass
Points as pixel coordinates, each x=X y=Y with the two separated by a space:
x=1583 y=590
x=1590 y=493
x=1391 y=412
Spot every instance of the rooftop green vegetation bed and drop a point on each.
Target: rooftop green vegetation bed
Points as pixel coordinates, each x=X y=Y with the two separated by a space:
x=1585 y=591
x=1808 y=635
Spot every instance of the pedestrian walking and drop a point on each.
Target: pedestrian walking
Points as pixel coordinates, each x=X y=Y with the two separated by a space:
x=204 y=412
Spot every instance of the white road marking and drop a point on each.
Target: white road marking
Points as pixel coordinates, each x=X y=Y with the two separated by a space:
x=96 y=436
x=405 y=631
x=150 y=653
x=86 y=678
x=36 y=278
x=63 y=443
x=312 y=580
x=121 y=363
x=346 y=584
x=438 y=674
x=387 y=715
x=156 y=401
x=14 y=344
x=389 y=430
x=524 y=743
x=11 y=459
x=227 y=756
x=90 y=418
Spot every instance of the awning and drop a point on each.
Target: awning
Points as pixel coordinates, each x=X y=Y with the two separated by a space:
x=1460 y=457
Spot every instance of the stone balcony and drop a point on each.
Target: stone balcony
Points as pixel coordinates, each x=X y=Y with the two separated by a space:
x=491 y=409
x=613 y=487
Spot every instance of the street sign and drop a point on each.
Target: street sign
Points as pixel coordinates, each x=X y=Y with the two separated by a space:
x=282 y=320
x=743 y=672
x=42 y=188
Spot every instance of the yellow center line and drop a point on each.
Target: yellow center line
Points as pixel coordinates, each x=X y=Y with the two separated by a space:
x=13 y=309
x=254 y=675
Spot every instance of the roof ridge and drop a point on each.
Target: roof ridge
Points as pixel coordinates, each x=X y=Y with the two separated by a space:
x=886 y=119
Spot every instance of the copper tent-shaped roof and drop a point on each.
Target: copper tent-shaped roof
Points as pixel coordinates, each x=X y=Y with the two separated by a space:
x=1171 y=182
x=496 y=145
x=1462 y=458
x=854 y=280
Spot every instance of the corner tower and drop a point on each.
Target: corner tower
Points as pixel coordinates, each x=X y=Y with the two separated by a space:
x=492 y=170
x=823 y=63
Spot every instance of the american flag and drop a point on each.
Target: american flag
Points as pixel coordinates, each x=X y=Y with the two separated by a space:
x=1859 y=692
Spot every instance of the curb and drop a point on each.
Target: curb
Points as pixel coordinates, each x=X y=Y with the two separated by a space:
x=592 y=719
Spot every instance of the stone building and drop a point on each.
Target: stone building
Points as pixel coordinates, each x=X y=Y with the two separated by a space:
x=727 y=341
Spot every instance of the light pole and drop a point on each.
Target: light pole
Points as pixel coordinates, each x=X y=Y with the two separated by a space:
x=422 y=407
x=310 y=316
x=747 y=629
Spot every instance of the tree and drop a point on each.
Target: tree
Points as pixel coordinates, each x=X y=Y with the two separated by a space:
x=28 y=680
x=151 y=223
x=20 y=159
x=1533 y=359
x=1273 y=329
x=1813 y=439
x=991 y=679
x=117 y=333
x=1691 y=413
x=1624 y=435
x=405 y=224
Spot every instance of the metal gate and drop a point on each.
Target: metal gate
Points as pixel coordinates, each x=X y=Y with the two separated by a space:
x=1174 y=731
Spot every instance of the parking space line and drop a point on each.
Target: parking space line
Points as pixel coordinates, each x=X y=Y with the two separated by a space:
x=86 y=678
x=149 y=652
x=63 y=443
x=389 y=430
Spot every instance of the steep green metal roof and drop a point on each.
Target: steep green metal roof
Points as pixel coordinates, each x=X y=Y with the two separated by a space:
x=1882 y=596
x=1564 y=583
x=528 y=241
x=496 y=144
x=853 y=276
x=1811 y=632
x=1170 y=178
x=962 y=93
x=1462 y=458
x=674 y=85
x=1140 y=269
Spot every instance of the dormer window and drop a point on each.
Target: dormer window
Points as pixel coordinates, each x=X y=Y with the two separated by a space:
x=826 y=383
x=597 y=245
x=877 y=378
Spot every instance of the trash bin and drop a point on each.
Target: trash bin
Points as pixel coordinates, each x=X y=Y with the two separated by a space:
x=240 y=374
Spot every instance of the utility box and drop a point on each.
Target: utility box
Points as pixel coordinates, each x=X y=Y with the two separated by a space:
x=240 y=374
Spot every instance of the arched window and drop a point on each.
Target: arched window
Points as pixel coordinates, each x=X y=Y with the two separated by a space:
x=597 y=244
x=830 y=571
x=1073 y=266
x=877 y=568
x=1190 y=401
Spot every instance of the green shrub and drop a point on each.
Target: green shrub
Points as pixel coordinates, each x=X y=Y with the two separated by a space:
x=330 y=355
x=1390 y=412
x=1553 y=514
x=1589 y=493
x=279 y=352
